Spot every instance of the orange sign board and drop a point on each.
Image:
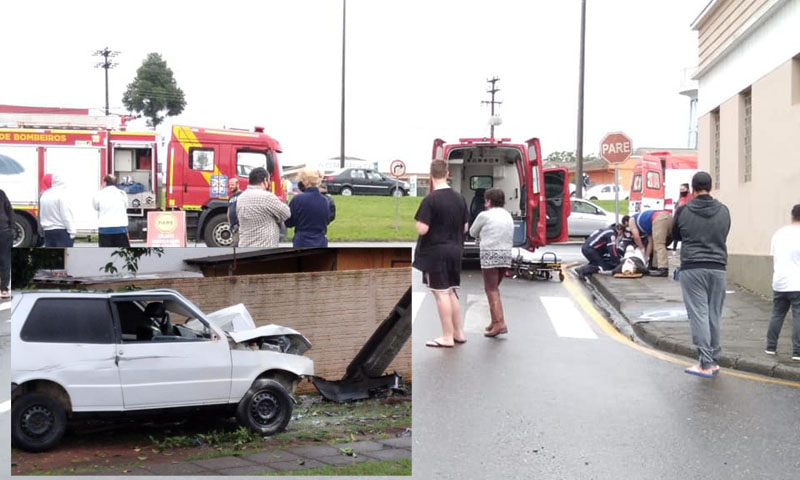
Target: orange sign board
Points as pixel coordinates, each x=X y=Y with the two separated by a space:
x=166 y=229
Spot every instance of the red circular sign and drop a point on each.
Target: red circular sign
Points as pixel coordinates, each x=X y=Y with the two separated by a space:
x=397 y=168
x=616 y=147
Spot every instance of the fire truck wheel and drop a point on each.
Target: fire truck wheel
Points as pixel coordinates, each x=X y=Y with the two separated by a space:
x=346 y=191
x=217 y=232
x=23 y=232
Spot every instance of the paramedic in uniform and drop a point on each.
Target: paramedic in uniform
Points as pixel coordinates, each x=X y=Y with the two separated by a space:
x=653 y=227
x=601 y=251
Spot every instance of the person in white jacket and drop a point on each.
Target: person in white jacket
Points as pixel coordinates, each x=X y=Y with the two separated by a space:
x=111 y=204
x=55 y=215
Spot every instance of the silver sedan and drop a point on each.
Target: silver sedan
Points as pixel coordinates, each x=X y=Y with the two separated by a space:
x=586 y=217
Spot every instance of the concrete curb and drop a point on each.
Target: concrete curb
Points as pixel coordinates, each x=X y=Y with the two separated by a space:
x=671 y=345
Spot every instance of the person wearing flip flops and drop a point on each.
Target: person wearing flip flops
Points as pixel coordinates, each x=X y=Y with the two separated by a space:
x=703 y=226
x=494 y=229
x=442 y=220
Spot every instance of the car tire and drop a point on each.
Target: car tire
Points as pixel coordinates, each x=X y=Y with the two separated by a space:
x=397 y=192
x=38 y=421
x=24 y=235
x=217 y=232
x=346 y=191
x=594 y=199
x=266 y=408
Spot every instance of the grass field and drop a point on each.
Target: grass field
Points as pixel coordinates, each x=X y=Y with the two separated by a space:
x=608 y=205
x=368 y=218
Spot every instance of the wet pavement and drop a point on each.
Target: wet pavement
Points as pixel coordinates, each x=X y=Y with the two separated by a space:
x=654 y=306
x=551 y=401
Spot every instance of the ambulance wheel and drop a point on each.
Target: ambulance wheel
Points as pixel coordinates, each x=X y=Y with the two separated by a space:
x=217 y=232
x=23 y=232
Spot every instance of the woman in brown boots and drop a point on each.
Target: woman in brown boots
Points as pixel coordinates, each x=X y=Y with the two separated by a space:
x=494 y=229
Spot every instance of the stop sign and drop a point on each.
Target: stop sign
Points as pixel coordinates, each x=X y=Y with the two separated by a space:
x=615 y=147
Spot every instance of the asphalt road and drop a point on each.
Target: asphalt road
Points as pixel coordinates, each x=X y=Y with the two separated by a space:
x=562 y=397
x=5 y=394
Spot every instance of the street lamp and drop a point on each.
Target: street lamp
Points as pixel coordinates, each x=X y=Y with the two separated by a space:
x=341 y=140
x=579 y=147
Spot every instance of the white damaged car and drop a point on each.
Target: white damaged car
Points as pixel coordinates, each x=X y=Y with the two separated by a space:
x=145 y=352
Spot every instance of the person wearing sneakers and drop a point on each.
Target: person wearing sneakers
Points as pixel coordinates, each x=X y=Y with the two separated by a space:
x=703 y=226
x=651 y=230
x=494 y=229
x=442 y=220
x=785 y=250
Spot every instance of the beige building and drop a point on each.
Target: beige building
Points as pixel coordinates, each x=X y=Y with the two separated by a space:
x=749 y=123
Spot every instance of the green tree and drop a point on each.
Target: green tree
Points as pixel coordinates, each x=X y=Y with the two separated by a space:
x=154 y=93
x=130 y=258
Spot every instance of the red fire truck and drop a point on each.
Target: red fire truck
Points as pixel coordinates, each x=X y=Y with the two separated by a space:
x=537 y=199
x=188 y=171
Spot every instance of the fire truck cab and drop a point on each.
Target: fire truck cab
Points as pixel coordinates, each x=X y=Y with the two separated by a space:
x=537 y=199
x=199 y=162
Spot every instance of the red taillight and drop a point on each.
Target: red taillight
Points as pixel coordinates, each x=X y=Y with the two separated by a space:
x=328 y=179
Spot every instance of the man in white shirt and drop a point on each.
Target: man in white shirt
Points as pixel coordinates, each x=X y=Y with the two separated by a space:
x=55 y=215
x=111 y=204
x=785 y=250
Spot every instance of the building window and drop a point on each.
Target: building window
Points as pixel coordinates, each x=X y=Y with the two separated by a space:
x=715 y=161
x=747 y=134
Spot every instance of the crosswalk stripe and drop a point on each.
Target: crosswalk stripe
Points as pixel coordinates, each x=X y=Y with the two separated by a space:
x=477 y=313
x=5 y=306
x=416 y=302
x=566 y=319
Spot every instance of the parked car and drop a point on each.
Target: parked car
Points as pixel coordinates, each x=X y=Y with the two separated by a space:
x=145 y=352
x=586 y=217
x=604 y=191
x=363 y=181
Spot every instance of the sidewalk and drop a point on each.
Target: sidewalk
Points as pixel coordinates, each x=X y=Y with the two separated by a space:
x=654 y=307
x=276 y=461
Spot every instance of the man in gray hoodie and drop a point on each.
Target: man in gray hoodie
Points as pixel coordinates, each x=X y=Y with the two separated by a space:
x=703 y=226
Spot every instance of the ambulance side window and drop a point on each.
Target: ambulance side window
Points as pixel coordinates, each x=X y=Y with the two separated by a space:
x=201 y=159
x=653 y=180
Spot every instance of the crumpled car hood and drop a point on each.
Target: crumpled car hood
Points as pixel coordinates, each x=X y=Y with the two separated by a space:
x=237 y=322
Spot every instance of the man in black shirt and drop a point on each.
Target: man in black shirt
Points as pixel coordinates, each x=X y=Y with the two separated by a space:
x=442 y=221
x=233 y=220
x=6 y=241
x=601 y=251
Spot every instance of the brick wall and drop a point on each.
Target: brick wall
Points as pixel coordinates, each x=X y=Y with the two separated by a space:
x=336 y=311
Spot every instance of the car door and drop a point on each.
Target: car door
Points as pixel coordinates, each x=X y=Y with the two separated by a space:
x=378 y=184
x=556 y=185
x=168 y=370
x=70 y=340
x=359 y=180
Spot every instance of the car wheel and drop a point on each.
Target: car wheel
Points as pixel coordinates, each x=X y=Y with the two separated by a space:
x=593 y=199
x=38 y=422
x=217 y=232
x=23 y=232
x=266 y=408
x=397 y=192
x=346 y=191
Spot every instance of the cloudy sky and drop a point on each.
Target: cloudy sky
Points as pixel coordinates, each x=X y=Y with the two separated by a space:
x=416 y=70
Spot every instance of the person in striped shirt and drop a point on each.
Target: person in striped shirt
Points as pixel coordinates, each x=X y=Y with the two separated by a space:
x=260 y=213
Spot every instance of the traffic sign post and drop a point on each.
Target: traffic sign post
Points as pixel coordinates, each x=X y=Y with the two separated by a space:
x=397 y=169
x=616 y=148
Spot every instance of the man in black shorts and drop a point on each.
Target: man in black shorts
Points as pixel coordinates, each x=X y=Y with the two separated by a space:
x=442 y=220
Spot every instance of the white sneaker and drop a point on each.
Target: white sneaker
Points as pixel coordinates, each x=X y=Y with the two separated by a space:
x=796 y=358
x=770 y=352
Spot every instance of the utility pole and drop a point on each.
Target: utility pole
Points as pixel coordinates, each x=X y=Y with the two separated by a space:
x=492 y=102
x=105 y=65
x=579 y=147
x=341 y=141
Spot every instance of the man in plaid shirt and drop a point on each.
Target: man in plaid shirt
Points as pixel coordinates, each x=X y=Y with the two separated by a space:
x=260 y=213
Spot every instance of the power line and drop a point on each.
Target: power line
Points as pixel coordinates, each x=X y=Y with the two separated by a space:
x=105 y=65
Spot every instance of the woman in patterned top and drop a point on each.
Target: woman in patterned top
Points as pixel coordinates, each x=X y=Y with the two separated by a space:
x=494 y=229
